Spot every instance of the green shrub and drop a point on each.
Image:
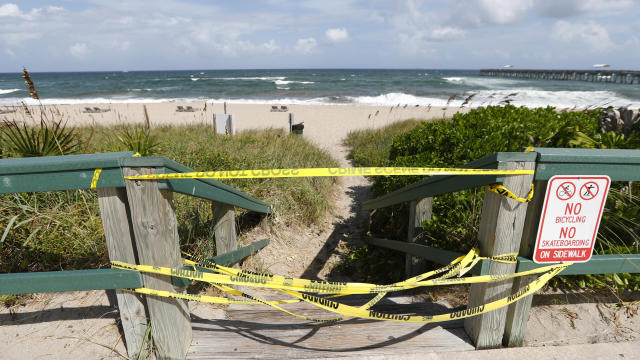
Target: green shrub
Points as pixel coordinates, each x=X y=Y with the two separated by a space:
x=480 y=132
x=370 y=147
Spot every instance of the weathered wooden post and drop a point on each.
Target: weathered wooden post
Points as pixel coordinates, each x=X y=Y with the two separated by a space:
x=500 y=232
x=118 y=231
x=224 y=220
x=518 y=312
x=419 y=211
x=156 y=237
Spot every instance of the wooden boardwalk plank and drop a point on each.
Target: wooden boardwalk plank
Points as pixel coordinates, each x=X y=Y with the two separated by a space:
x=259 y=333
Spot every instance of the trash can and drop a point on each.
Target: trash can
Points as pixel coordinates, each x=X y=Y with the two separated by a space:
x=297 y=129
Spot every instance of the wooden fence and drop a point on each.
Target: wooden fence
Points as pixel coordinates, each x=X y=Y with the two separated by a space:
x=140 y=227
x=508 y=226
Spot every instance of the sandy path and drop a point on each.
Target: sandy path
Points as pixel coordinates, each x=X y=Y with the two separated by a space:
x=70 y=325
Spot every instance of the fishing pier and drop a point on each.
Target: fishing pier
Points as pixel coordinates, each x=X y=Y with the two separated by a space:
x=610 y=76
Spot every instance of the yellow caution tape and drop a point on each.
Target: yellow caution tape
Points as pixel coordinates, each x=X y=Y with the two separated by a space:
x=308 y=172
x=500 y=189
x=477 y=310
x=247 y=278
x=364 y=311
x=449 y=270
x=239 y=277
x=96 y=176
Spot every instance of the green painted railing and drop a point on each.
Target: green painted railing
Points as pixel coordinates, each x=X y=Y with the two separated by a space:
x=620 y=165
x=140 y=226
x=599 y=264
x=71 y=172
x=102 y=279
x=443 y=184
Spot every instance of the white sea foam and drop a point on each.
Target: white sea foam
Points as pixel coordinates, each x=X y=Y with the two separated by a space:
x=195 y=79
x=63 y=101
x=517 y=97
x=8 y=91
x=266 y=78
x=485 y=82
x=286 y=82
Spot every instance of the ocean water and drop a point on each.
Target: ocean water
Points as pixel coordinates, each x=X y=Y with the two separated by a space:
x=315 y=86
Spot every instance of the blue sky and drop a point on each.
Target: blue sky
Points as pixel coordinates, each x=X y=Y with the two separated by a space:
x=73 y=35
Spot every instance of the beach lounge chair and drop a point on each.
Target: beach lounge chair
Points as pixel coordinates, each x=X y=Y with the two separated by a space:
x=88 y=110
x=189 y=109
x=99 y=110
x=284 y=108
x=180 y=109
x=274 y=108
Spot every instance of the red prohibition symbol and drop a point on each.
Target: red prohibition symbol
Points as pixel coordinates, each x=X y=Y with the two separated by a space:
x=589 y=190
x=566 y=190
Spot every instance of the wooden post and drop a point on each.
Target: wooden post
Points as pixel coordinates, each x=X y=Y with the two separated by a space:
x=500 y=232
x=419 y=211
x=156 y=235
x=224 y=220
x=118 y=232
x=518 y=312
x=290 y=122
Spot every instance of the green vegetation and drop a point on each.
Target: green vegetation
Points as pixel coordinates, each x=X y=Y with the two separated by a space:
x=467 y=137
x=63 y=230
x=138 y=139
x=45 y=139
x=373 y=146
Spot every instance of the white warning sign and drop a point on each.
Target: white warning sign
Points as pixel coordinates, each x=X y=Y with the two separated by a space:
x=570 y=218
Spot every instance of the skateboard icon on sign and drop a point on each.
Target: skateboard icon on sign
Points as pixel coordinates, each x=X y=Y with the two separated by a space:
x=566 y=190
x=589 y=190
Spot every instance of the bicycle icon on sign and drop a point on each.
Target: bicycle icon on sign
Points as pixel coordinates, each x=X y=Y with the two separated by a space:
x=566 y=190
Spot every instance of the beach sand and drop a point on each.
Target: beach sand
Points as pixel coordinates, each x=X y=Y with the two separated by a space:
x=68 y=325
x=324 y=125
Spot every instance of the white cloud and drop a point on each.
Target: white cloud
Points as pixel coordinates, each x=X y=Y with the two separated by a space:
x=79 y=50
x=591 y=33
x=10 y=10
x=571 y=8
x=337 y=35
x=504 y=11
x=306 y=45
x=446 y=33
x=270 y=47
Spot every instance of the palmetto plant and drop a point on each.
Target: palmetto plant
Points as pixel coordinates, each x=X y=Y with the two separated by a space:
x=50 y=137
x=46 y=139
x=138 y=139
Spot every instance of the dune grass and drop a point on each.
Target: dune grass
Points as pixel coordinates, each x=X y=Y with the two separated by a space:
x=62 y=230
x=370 y=147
